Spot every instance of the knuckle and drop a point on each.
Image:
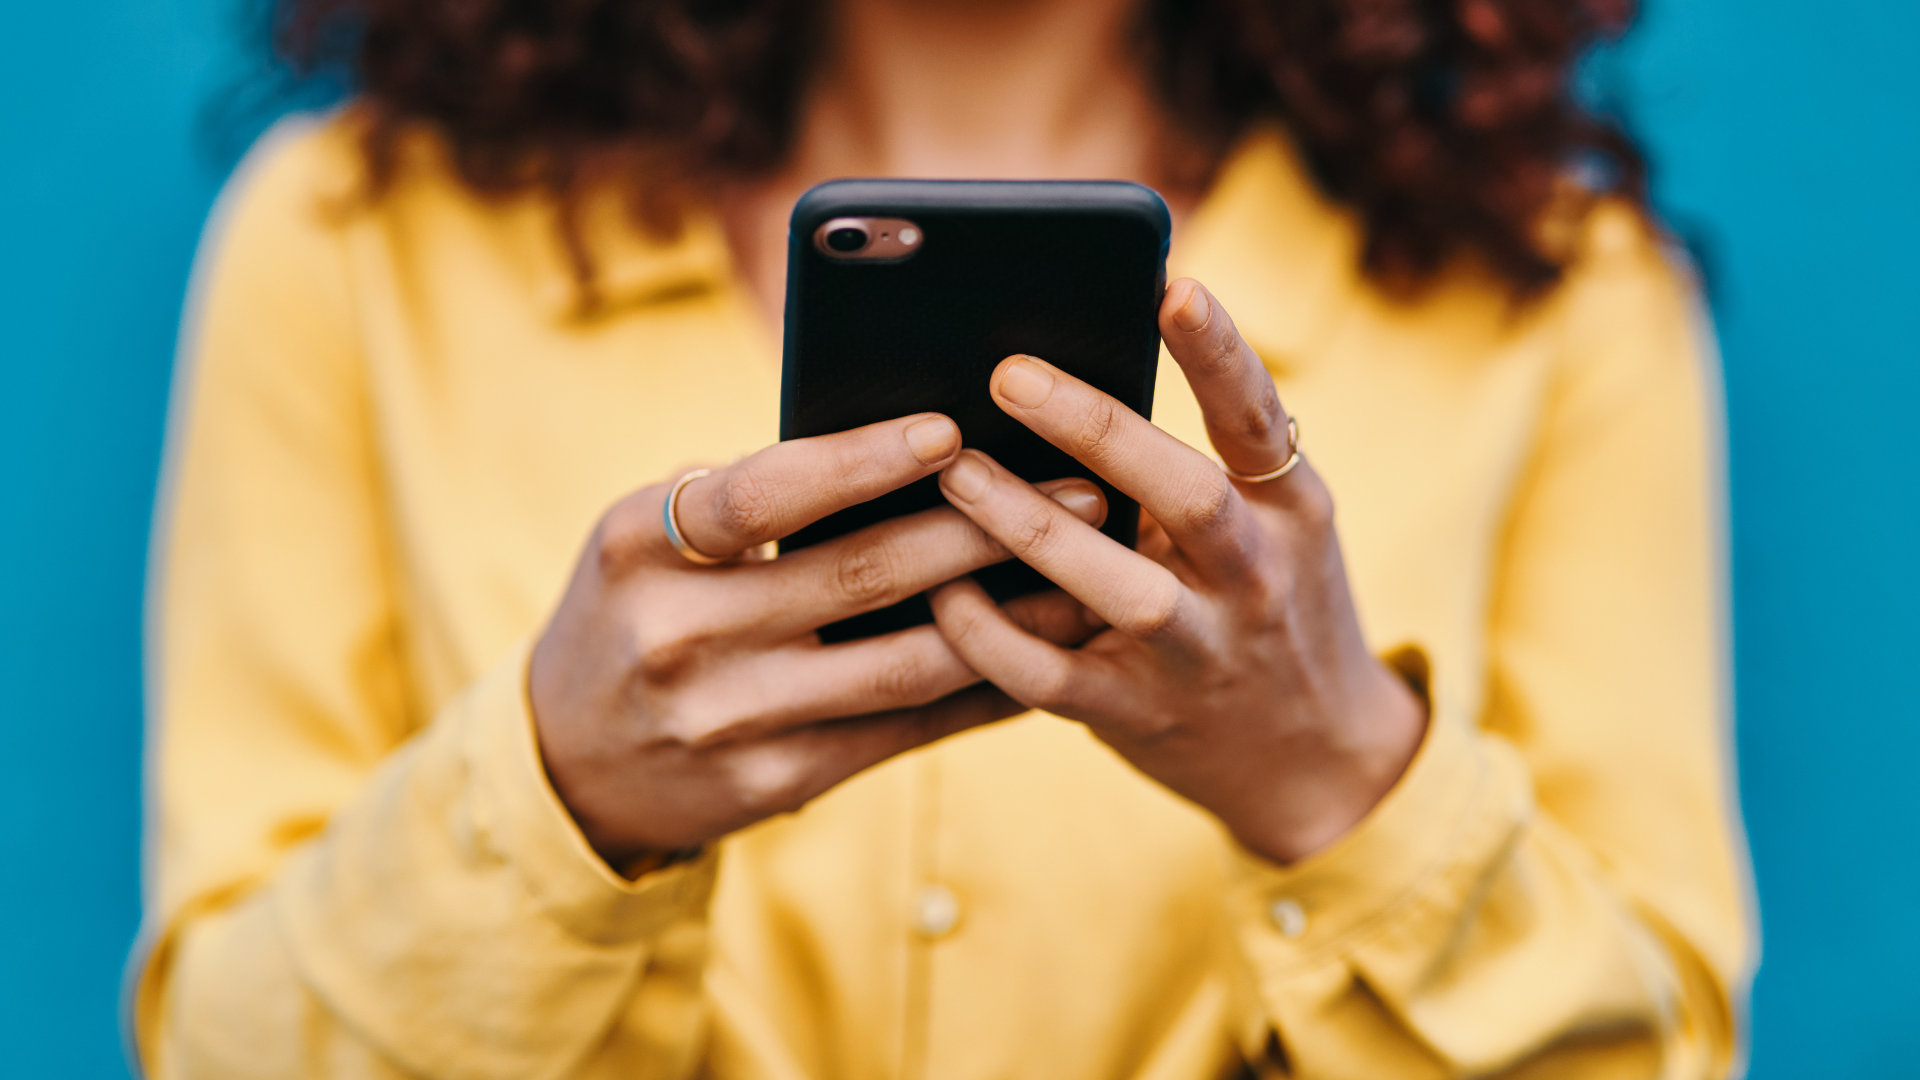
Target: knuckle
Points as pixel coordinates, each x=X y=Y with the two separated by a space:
x=1036 y=531
x=1221 y=354
x=1270 y=596
x=959 y=623
x=694 y=719
x=864 y=574
x=747 y=507
x=619 y=540
x=1312 y=502
x=1263 y=418
x=685 y=730
x=1208 y=505
x=708 y=733
x=661 y=653
x=1155 y=726
x=1099 y=429
x=769 y=783
x=1050 y=687
x=901 y=680
x=1154 y=613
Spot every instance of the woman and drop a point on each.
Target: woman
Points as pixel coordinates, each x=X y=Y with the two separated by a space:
x=430 y=807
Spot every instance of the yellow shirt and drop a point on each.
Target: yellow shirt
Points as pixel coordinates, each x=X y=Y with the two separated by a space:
x=395 y=428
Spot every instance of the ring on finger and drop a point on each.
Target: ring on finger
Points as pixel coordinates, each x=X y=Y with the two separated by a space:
x=670 y=517
x=1293 y=459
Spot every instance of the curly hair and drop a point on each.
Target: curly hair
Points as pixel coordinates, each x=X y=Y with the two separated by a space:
x=1448 y=126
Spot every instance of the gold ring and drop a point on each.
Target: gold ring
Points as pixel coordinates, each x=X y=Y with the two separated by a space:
x=1293 y=459
x=669 y=516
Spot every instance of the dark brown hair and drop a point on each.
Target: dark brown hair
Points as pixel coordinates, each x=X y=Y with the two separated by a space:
x=1449 y=126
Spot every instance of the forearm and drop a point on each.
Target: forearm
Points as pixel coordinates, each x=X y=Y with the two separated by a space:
x=1459 y=932
x=448 y=922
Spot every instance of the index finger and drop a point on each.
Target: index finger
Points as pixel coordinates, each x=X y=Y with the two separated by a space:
x=1244 y=418
x=1180 y=486
x=769 y=494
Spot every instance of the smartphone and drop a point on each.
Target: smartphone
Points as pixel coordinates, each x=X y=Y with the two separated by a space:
x=904 y=295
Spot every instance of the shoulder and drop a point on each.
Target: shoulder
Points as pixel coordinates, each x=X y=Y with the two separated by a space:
x=302 y=167
x=309 y=173
x=1622 y=255
x=269 y=306
x=274 y=232
x=306 y=195
x=302 y=222
x=1630 y=291
x=1628 y=323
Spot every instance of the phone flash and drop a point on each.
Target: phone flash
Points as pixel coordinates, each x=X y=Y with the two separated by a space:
x=867 y=239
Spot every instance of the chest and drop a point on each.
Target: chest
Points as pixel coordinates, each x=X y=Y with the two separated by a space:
x=1015 y=890
x=503 y=438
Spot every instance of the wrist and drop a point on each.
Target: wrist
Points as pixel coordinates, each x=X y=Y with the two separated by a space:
x=1342 y=771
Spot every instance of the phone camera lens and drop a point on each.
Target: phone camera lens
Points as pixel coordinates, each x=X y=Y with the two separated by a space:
x=847 y=239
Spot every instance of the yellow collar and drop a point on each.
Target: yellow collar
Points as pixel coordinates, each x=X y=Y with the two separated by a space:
x=629 y=266
x=1279 y=254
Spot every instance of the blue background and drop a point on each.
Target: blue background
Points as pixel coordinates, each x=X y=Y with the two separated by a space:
x=1787 y=141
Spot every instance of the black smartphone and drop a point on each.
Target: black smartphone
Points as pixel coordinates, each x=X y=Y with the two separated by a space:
x=904 y=295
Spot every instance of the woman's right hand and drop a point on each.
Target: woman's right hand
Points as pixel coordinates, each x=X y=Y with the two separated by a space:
x=676 y=703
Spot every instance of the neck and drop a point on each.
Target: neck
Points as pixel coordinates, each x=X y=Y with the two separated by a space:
x=992 y=89
x=975 y=89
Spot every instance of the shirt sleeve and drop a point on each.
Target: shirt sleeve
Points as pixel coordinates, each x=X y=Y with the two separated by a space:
x=340 y=886
x=1557 y=886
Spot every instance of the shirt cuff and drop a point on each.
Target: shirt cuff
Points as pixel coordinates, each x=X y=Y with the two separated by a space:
x=530 y=826
x=1425 y=844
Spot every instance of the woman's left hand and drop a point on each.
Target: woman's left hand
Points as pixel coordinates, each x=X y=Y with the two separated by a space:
x=1233 y=670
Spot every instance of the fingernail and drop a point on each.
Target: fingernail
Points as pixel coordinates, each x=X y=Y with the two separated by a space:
x=1193 y=314
x=1026 y=383
x=932 y=439
x=967 y=477
x=1081 y=502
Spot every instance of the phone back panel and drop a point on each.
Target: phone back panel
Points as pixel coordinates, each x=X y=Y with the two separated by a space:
x=1071 y=272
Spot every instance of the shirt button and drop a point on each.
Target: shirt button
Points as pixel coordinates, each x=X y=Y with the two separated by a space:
x=935 y=910
x=1288 y=917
